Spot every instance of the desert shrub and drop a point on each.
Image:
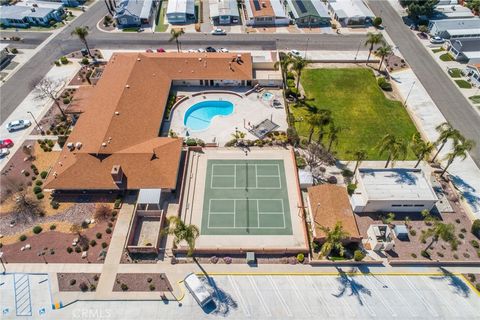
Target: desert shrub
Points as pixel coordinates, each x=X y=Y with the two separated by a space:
x=149 y=279
x=37 y=229
x=300 y=257
x=98 y=235
x=85 y=60
x=477 y=286
x=455 y=256
x=84 y=224
x=93 y=287
x=425 y=254
x=114 y=213
x=37 y=189
x=475 y=244
x=55 y=205
x=93 y=243
x=214 y=259
x=110 y=225
x=108 y=230
x=22 y=237
x=43 y=174
x=332 y=180
x=301 y=163
x=26 y=173
x=351 y=188
x=104 y=245
x=95 y=277
x=227 y=260
x=78 y=249
x=124 y=287
x=377 y=22
x=290 y=75
x=191 y=142
x=83 y=286
x=461 y=236
x=72 y=282
x=57 y=63
x=40 y=196
x=151 y=287
x=413 y=233
x=476 y=228
x=118 y=203
x=38 y=182
x=441 y=255
x=64 y=60
x=466 y=255
x=358 y=255
x=384 y=84
x=414 y=255
x=69 y=249
x=103 y=212
x=53 y=226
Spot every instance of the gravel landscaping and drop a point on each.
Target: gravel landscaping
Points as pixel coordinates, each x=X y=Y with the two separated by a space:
x=156 y=282
x=78 y=281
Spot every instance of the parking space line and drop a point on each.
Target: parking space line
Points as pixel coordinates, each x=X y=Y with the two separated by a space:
x=380 y=297
x=421 y=297
x=299 y=297
x=399 y=296
x=243 y=305
x=362 y=300
x=344 y=303
x=279 y=296
x=260 y=297
x=446 y=302
x=319 y=296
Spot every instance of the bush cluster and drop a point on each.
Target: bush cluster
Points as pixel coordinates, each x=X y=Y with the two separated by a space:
x=384 y=84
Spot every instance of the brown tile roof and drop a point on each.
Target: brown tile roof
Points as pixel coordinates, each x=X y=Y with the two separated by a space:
x=81 y=100
x=123 y=115
x=265 y=11
x=329 y=204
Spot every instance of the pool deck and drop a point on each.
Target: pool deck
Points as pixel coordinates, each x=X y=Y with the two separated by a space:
x=193 y=202
x=247 y=109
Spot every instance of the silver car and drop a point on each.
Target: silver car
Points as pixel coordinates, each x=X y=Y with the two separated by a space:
x=4 y=152
x=18 y=125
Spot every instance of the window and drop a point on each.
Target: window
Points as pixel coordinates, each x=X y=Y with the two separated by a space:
x=419 y=205
x=396 y=205
x=408 y=205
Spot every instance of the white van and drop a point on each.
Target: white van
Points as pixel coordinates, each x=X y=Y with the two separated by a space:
x=197 y=289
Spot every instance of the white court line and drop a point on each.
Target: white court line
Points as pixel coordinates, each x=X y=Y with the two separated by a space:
x=260 y=297
x=256 y=177
x=279 y=296
x=243 y=305
x=258 y=216
x=299 y=297
x=421 y=297
x=399 y=296
x=234 y=212
x=319 y=296
x=379 y=295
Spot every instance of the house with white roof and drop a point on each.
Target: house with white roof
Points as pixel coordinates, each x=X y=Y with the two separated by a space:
x=224 y=12
x=31 y=13
x=393 y=190
x=455 y=28
x=134 y=13
x=265 y=13
x=452 y=12
x=351 y=13
x=180 y=11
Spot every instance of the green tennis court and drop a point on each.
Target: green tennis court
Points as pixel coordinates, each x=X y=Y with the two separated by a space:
x=246 y=197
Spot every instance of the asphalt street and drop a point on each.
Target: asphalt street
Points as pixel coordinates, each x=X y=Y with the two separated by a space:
x=30 y=40
x=20 y=84
x=453 y=105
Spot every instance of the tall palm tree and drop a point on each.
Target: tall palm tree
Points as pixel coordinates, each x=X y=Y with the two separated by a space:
x=325 y=117
x=175 y=34
x=333 y=135
x=284 y=64
x=298 y=65
x=383 y=52
x=314 y=120
x=82 y=33
x=447 y=132
x=359 y=155
x=333 y=239
x=395 y=148
x=421 y=148
x=443 y=231
x=459 y=151
x=372 y=40
x=182 y=232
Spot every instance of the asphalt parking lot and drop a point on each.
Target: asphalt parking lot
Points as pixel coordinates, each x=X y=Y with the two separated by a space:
x=306 y=297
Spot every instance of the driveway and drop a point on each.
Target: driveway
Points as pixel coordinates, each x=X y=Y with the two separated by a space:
x=453 y=105
x=305 y=297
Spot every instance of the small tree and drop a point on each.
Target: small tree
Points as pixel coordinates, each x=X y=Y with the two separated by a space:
x=175 y=34
x=443 y=231
x=447 y=132
x=377 y=22
x=372 y=40
x=383 y=52
x=82 y=33
x=103 y=212
x=360 y=156
x=27 y=208
x=298 y=65
x=183 y=231
x=333 y=135
x=333 y=239
x=421 y=148
x=49 y=88
x=423 y=29
x=394 y=147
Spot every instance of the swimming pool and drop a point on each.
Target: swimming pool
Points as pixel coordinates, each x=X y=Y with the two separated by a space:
x=199 y=116
x=267 y=96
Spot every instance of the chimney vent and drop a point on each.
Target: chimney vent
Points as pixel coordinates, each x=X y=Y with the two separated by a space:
x=117 y=174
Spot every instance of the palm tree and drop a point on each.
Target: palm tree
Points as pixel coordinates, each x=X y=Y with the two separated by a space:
x=383 y=52
x=333 y=135
x=298 y=65
x=324 y=119
x=237 y=135
x=359 y=155
x=182 y=231
x=421 y=148
x=447 y=132
x=396 y=148
x=284 y=63
x=175 y=34
x=82 y=33
x=460 y=150
x=372 y=40
x=443 y=231
x=333 y=239
x=314 y=120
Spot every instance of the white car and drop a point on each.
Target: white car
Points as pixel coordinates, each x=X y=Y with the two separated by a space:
x=192 y=50
x=218 y=32
x=18 y=125
x=223 y=50
x=437 y=40
x=4 y=152
x=201 y=50
x=294 y=52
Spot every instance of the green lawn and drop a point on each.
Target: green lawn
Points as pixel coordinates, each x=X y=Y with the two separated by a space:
x=160 y=22
x=463 y=84
x=455 y=72
x=358 y=106
x=438 y=50
x=446 y=57
x=475 y=99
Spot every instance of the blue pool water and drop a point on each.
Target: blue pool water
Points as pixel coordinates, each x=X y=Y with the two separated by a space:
x=267 y=96
x=199 y=116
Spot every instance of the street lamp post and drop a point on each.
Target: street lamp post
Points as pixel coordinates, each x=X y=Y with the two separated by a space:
x=35 y=120
x=356 y=54
x=408 y=95
x=306 y=49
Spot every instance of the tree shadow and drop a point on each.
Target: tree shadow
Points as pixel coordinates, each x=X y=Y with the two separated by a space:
x=458 y=285
x=349 y=283
x=223 y=302
x=467 y=191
